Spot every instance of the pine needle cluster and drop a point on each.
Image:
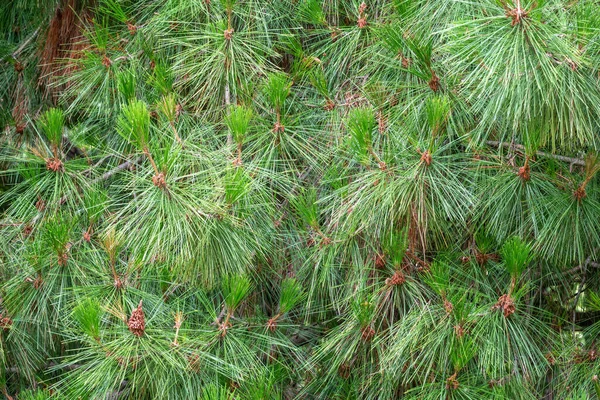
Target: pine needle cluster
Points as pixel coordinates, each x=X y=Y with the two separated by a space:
x=300 y=199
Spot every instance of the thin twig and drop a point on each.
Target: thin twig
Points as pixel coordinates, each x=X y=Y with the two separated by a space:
x=570 y=160
x=25 y=43
x=113 y=171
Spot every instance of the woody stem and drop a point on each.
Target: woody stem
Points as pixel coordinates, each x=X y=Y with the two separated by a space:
x=513 y=283
x=175 y=132
x=375 y=156
x=147 y=154
x=239 y=151
x=113 y=270
x=228 y=317
x=177 y=326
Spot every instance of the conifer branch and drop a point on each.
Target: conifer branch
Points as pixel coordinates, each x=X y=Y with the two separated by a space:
x=570 y=160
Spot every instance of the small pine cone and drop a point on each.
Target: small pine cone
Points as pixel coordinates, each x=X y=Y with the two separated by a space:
x=426 y=157
x=132 y=28
x=524 y=173
x=272 y=324
x=506 y=304
x=19 y=67
x=459 y=331
x=152 y=64
x=406 y=62
x=223 y=328
x=452 y=383
x=228 y=33
x=367 y=333
x=106 y=62
x=362 y=8
x=434 y=83
x=362 y=22
x=517 y=15
x=278 y=128
x=396 y=279
x=159 y=180
x=5 y=322
x=63 y=258
x=19 y=128
x=382 y=166
x=329 y=105
x=579 y=193
x=448 y=306
x=137 y=321
x=54 y=164
x=550 y=358
x=87 y=236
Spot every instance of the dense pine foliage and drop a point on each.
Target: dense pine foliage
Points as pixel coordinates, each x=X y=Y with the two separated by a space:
x=299 y=199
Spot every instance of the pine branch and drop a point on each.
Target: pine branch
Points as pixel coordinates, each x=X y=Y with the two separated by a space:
x=570 y=160
x=118 y=168
x=25 y=43
x=104 y=177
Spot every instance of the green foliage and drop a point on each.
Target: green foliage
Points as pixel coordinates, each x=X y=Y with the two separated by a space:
x=438 y=110
x=299 y=199
x=516 y=255
x=291 y=294
x=361 y=123
x=277 y=89
x=238 y=121
x=52 y=123
x=235 y=289
x=88 y=315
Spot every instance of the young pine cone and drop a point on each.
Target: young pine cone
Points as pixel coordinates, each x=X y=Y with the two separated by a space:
x=506 y=304
x=396 y=279
x=367 y=333
x=137 y=321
